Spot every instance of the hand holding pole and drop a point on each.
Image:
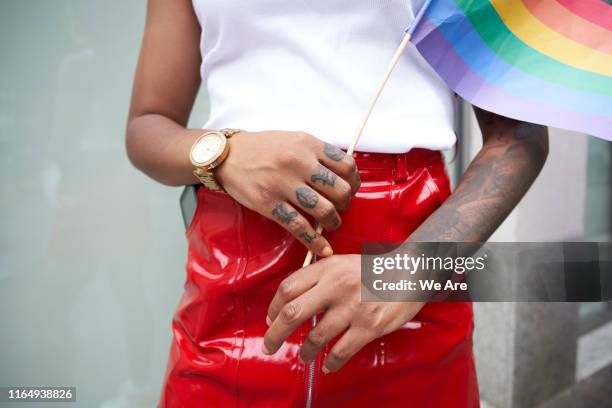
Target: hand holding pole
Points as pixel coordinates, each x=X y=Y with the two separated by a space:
x=362 y=125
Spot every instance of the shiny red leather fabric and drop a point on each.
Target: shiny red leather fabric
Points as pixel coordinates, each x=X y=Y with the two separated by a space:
x=236 y=260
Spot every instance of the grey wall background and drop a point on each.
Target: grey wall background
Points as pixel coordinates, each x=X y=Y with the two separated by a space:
x=92 y=252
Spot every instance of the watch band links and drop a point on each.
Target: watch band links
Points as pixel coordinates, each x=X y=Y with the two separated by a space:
x=208 y=179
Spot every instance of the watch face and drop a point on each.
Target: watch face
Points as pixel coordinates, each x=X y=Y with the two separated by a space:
x=207 y=149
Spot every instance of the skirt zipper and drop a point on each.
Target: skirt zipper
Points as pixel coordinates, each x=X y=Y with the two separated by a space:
x=310 y=372
x=311 y=367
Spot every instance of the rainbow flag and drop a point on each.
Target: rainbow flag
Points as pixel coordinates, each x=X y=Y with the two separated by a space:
x=542 y=61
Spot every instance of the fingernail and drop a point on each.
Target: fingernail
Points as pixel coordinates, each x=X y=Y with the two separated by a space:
x=325 y=370
x=265 y=350
x=268 y=321
x=327 y=251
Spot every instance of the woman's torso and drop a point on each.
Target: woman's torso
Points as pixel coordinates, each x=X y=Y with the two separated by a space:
x=313 y=65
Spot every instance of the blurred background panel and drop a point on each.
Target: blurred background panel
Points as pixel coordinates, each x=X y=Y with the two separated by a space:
x=92 y=252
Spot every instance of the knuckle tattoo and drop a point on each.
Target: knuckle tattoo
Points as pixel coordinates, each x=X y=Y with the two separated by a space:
x=309 y=239
x=333 y=152
x=306 y=197
x=324 y=175
x=283 y=214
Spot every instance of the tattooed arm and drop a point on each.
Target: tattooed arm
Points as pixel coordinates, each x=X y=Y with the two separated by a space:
x=511 y=157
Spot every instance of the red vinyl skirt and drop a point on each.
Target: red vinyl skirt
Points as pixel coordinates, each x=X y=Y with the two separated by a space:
x=236 y=260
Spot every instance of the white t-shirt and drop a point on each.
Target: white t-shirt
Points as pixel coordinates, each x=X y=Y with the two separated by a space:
x=313 y=65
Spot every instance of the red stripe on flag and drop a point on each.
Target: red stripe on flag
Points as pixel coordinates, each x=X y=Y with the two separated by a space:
x=596 y=11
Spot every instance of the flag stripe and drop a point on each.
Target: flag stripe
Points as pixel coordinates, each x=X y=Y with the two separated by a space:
x=571 y=25
x=482 y=60
x=437 y=50
x=537 y=35
x=501 y=40
x=595 y=11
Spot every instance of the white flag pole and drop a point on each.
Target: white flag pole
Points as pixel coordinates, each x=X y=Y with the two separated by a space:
x=381 y=86
x=364 y=121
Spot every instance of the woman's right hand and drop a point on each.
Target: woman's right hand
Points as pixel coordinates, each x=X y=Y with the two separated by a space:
x=282 y=174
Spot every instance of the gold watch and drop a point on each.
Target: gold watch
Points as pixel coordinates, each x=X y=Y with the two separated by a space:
x=207 y=153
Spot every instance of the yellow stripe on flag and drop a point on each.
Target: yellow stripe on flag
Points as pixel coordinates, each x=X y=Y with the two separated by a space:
x=539 y=36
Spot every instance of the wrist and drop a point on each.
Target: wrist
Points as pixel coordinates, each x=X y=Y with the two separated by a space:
x=224 y=171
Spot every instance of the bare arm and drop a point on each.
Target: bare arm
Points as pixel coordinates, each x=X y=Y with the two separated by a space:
x=165 y=86
x=512 y=155
x=281 y=175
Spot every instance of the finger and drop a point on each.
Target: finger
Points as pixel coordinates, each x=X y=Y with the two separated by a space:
x=319 y=207
x=288 y=217
x=291 y=316
x=334 y=322
x=293 y=286
x=346 y=347
x=336 y=190
x=341 y=164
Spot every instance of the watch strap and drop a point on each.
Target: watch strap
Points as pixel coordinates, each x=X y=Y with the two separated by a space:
x=207 y=179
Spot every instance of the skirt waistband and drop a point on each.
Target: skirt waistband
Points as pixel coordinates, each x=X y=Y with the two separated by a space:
x=399 y=164
x=415 y=158
x=396 y=166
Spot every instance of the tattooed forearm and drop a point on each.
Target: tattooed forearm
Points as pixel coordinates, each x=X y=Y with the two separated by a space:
x=281 y=213
x=526 y=130
x=333 y=152
x=307 y=197
x=513 y=154
x=324 y=175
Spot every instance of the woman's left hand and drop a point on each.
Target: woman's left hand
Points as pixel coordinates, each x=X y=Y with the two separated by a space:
x=331 y=285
